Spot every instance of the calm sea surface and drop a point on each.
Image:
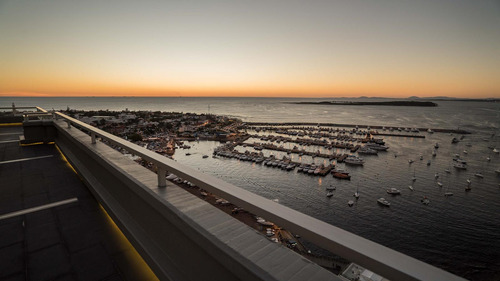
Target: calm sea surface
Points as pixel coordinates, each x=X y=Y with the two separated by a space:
x=460 y=234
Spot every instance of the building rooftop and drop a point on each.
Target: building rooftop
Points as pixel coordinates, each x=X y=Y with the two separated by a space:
x=73 y=240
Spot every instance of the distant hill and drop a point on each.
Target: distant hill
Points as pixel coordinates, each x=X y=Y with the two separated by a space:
x=383 y=103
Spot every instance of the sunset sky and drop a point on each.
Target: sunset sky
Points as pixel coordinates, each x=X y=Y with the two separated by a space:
x=392 y=48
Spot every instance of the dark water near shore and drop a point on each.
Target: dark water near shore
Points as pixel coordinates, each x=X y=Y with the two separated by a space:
x=460 y=233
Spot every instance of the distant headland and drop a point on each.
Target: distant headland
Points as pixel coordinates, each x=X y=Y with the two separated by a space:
x=386 y=103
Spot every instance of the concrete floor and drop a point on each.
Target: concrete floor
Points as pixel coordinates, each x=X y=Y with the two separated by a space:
x=75 y=241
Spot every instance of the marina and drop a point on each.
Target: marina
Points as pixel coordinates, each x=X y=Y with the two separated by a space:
x=444 y=224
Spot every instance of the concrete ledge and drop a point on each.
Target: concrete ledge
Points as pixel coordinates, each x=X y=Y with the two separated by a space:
x=179 y=235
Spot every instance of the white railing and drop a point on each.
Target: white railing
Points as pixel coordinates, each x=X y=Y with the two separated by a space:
x=375 y=257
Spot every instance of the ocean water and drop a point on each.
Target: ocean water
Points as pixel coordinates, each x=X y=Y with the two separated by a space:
x=460 y=233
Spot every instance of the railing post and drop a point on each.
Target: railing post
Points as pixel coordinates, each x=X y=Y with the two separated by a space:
x=69 y=124
x=92 y=134
x=162 y=181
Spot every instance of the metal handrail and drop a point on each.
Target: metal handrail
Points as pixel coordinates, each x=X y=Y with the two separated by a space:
x=375 y=257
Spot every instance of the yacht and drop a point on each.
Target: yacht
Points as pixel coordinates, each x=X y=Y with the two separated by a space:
x=367 y=150
x=496 y=151
x=354 y=160
x=430 y=131
x=393 y=191
x=331 y=187
x=479 y=175
x=439 y=184
x=459 y=165
x=425 y=200
x=376 y=146
x=329 y=194
x=384 y=202
x=410 y=187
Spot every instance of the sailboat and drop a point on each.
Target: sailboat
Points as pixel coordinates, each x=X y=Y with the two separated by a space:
x=447 y=193
x=356 y=194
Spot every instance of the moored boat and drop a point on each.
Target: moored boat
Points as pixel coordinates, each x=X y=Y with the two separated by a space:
x=383 y=202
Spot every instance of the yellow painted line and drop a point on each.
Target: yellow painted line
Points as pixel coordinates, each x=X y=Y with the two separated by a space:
x=10 y=124
x=30 y=144
x=66 y=160
x=140 y=268
x=39 y=208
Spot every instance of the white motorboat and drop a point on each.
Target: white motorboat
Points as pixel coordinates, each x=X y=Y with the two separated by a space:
x=384 y=202
x=331 y=187
x=350 y=203
x=329 y=194
x=479 y=175
x=468 y=181
x=410 y=187
x=354 y=160
x=425 y=200
x=393 y=191
x=448 y=194
x=439 y=184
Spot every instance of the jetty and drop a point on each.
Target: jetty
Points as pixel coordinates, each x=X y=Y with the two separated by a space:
x=311 y=124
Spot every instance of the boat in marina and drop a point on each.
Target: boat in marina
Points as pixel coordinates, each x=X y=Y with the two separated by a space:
x=460 y=166
x=330 y=187
x=367 y=150
x=354 y=160
x=393 y=191
x=425 y=200
x=383 y=202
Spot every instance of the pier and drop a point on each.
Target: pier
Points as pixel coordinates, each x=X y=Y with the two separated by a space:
x=438 y=130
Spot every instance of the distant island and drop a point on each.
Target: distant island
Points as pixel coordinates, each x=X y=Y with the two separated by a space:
x=386 y=103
